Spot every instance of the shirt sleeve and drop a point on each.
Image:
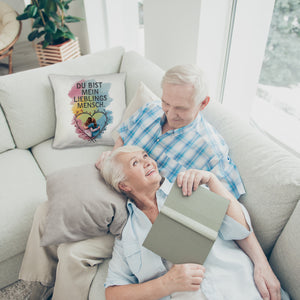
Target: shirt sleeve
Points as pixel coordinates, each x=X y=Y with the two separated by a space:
x=225 y=169
x=125 y=129
x=119 y=272
x=233 y=230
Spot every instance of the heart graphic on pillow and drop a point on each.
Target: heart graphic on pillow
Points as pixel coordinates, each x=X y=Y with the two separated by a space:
x=91 y=125
x=89 y=101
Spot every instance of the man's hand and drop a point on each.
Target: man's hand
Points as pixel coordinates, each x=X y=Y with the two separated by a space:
x=266 y=282
x=189 y=180
x=183 y=277
x=102 y=157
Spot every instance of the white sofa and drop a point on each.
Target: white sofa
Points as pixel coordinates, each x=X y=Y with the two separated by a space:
x=27 y=124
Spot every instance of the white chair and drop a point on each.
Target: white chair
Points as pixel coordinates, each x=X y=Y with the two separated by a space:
x=10 y=29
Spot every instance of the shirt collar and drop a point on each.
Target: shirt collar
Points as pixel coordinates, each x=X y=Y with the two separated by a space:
x=161 y=195
x=186 y=128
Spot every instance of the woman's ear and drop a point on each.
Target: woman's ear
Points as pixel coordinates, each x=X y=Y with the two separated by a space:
x=124 y=187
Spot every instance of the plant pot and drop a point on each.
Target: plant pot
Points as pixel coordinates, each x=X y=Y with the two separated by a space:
x=57 y=53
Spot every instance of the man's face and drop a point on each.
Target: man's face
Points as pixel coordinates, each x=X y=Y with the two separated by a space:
x=179 y=105
x=140 y=170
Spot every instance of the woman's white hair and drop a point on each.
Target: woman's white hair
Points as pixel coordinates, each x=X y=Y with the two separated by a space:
x=112 y=170
x=188 y=74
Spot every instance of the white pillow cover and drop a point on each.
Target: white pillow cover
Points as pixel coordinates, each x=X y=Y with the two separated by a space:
x=88 y=108
x=142 y=96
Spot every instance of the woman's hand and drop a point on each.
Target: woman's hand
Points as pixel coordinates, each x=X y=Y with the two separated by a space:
x=266 y=282
x=189 y=180
x=183 y=277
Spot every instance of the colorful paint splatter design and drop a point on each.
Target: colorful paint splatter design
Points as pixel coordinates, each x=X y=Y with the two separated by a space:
x=90 y=100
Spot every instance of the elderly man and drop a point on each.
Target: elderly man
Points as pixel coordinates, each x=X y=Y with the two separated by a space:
x=176 y=135
x=141 y=274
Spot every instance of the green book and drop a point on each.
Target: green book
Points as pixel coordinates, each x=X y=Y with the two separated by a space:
x=187 y=226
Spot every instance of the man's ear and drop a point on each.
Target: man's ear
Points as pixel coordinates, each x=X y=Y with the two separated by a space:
x=124 y=187
x=204 y=103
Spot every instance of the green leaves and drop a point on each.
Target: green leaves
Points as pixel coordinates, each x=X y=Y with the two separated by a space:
x=50 y=18
x=70 y=19
x=50 y=27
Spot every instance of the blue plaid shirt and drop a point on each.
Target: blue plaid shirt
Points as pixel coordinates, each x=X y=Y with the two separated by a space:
x=195 y=146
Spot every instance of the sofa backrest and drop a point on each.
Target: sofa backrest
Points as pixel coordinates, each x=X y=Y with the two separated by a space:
x=27 y=97
x=270 y=174
x=138 y=69
x=6 y=140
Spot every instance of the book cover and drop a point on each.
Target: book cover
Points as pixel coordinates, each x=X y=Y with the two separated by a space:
x=187 y=226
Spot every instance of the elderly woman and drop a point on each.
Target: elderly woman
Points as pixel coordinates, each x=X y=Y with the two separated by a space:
x=137 y=273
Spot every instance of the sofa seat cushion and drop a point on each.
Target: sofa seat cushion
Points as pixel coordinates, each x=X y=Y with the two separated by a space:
x=97 y=290
x=28 y=101
x=51 y=160
x=6 y=141
x=23 y=187
x=270 y=174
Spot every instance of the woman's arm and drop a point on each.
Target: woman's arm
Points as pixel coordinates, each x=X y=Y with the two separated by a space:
x=184 y=277
x=264 y=277
x=190 y=180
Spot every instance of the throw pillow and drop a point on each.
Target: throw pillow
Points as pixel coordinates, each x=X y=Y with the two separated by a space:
x=81 y=206
x=88 y=108
x=142 y=96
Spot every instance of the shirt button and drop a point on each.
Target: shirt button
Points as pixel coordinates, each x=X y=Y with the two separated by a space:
x=157 y=140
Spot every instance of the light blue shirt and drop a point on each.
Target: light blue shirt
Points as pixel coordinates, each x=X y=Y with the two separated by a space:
x=195 y=146
x=229 y=271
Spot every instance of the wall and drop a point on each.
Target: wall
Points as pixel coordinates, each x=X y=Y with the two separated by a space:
x=191 y=31
x=171 y=31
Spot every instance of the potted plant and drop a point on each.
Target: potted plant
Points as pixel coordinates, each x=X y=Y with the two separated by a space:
x=49 y=25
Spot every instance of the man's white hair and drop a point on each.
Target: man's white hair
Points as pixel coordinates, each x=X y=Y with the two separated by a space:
x=111 y=170
x=188 y=74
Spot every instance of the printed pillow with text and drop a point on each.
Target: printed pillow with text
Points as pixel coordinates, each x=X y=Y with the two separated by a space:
x=88 y=108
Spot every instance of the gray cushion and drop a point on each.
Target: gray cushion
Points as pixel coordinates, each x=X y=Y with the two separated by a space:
x=81 y=206
x=270 y=174
x=27 y=98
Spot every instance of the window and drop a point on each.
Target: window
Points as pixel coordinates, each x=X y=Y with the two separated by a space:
x=276 y=108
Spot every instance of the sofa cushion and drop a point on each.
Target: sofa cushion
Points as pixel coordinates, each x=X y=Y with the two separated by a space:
x=6 y=141
x=142 y=96
x=51 y=160
x=23 y=187
x=285 y=255
x=27 y=97
x=140 y=69
x=88 y=108
x=97 y=291
x=82 y=206
x=270 y=174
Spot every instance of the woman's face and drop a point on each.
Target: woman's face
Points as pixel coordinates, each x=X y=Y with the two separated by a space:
x=140 y=170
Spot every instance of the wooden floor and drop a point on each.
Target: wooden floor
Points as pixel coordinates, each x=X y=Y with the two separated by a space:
x=23 y=58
